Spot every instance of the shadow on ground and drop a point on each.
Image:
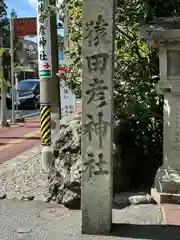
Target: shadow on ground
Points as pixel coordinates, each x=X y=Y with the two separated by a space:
x=153 y=232
x=30 y=126
x=3 y=144
x=77 y=206
x=121 y=206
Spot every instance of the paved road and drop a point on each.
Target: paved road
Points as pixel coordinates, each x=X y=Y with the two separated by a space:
x=40 y=221
x=19 y=138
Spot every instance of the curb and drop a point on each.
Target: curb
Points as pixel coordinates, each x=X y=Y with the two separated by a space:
x=31 y=115
x=28 y=115
x=20 y=159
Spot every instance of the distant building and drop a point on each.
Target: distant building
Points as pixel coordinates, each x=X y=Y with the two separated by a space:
x=27 y=53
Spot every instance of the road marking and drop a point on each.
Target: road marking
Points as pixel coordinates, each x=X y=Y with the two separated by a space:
x=15 y=141
x=32 y=134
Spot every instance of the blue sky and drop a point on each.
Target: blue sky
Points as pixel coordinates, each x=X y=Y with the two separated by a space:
x=23 y=8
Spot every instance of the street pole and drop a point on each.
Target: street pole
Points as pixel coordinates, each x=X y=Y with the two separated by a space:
x=49 y=84
x=12 y=67
x=55 y=85
x=66 y=29
x=17 y=93
x=2 y=88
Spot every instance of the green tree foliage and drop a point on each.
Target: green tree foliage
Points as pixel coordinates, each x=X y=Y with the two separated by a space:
x=73 y=79
x=136 y=74
x=4 y=33
x=3 y=14
x=6 y=65
x=4 y=24
x=3 y=83
x=6 y=44
x=163 y=8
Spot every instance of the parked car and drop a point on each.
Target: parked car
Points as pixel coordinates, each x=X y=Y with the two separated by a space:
x=27 y=96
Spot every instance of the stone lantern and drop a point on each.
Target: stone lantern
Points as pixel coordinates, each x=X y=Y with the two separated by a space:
x=164 y=34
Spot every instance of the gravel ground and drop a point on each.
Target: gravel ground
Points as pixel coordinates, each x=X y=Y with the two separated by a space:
x=24 y=181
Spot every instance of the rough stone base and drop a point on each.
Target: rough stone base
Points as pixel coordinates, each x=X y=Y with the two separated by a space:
x=165 y=197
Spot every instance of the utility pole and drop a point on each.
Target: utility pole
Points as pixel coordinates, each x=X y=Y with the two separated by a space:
x=12 y=66
x=55 y=85
x=17 y=93
x=66 y=29
x=49 y=84
x=3 y=98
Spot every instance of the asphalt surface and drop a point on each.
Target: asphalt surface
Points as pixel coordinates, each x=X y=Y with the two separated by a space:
x=22 y=113
x=19 y=138
x=37 y=220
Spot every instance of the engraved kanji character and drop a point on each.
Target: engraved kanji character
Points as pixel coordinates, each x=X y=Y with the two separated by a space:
x=99 y=127
x=95 y=30
x=97 y=62
x=96 y=92
x=94 y=166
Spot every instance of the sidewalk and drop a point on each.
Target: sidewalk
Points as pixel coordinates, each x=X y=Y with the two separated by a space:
x=35 y=220
x=19 y=138
x=40 y=221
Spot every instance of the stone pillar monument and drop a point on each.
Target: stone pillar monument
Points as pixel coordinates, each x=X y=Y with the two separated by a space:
x=164 y=34
x=97 y=110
